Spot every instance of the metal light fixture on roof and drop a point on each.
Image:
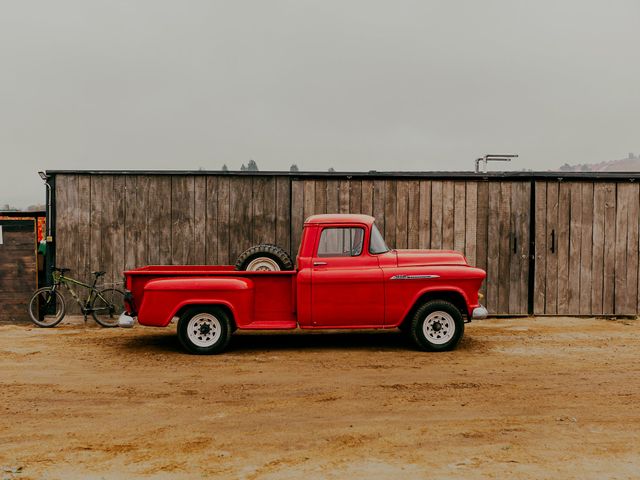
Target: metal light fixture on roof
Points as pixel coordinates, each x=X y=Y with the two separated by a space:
x=492 y=158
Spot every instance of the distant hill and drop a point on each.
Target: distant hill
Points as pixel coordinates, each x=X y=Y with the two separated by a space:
x=629 y=164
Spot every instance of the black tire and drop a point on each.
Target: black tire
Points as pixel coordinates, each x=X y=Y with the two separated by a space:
x=107 y=312
x=272 y=254
x=46 y=307
x=204 y=330
x=445 y=327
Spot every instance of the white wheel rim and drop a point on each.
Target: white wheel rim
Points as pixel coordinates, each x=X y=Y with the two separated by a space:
x=265 y=264
x=439 y=327
x=204 y=330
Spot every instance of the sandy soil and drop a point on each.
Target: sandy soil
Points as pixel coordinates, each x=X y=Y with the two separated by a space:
x=520 y=398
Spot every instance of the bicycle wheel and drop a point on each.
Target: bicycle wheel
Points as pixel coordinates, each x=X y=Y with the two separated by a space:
x=46 y=307
x=107 y=307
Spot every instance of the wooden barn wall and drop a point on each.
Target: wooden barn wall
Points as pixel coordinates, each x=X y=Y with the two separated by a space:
x=115 y=222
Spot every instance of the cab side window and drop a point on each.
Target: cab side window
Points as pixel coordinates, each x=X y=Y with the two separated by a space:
x=341 y=242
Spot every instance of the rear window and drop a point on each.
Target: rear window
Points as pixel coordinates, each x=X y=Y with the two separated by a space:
x=341 y=242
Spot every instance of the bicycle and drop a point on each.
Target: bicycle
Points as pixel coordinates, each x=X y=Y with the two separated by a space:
x=47 y=306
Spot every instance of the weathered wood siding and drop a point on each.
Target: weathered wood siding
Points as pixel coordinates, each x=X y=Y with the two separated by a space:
x=18 y=269
x=114 y=222
x=586 y=248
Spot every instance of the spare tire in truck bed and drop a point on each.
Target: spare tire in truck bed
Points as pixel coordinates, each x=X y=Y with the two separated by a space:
x=264 y=257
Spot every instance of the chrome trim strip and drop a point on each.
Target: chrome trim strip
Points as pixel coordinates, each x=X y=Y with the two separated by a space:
x=413 y=277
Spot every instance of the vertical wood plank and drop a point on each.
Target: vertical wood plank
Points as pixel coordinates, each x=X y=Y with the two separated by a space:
x=309 y=198
x=504 y=241
x=108 y=200
x=367 y=197
x=471 y=222
x=523 y=233
x=182 y=215
x=355 y=196
x=608 y=288
x=459 y=215
x=297 y=213
x=343 y=196
x=390 y=212
x=631 y=283
x=321 y=197
x=413 y=214
x=551 y=280
x=96 y=209
x=132 y=222
x=211 y=224
x=379 y=204
x=333 y=196
x=199 y=219
x=224 y=239
x=540 y=239
x=436 y=214
x=597 y=259
x=448 y=215
x=424 y=224
x=575 y=243
x=586 y=249
x=482 y=232
x=493 y=247
x=514 y=260
x=401 y=213
x=84 y=225
x=240 y=212
x=264 y=210
x=164 y=220
x=564 y=208
x=283 y=214
x=622 y=215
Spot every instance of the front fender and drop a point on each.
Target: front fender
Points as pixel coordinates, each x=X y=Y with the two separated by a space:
x=164 y=298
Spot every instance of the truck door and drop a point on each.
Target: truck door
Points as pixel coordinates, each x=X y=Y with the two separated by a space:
x=347 y=288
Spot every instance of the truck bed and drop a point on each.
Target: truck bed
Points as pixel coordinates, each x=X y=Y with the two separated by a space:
x=273 y=296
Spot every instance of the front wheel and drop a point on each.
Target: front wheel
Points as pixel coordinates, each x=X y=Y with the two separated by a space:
x=204 y=330
x=437 y=326
x=46 y=307
x=107 y=307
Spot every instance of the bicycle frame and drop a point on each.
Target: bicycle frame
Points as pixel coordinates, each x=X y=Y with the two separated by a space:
x=60 y=280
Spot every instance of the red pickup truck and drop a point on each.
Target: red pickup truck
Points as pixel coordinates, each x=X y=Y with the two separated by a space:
x=345 y=277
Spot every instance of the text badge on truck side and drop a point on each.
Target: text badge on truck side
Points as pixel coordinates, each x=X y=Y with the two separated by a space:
x=345 y=277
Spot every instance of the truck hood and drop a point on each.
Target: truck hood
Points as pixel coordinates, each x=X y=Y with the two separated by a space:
x=417 y=258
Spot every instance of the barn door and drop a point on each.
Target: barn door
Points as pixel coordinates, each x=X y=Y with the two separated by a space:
x=586 y=248
x=507 y=245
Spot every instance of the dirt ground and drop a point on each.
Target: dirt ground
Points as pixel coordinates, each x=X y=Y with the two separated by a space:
x=520 y=398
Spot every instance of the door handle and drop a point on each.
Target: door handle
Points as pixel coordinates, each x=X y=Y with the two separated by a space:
x=319 y=264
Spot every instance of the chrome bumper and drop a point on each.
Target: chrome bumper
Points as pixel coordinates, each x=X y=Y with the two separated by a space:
x=126 y=321
x=479 y=313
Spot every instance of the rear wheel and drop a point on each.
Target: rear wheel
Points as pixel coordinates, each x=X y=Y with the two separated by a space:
x=107 y=307
x=264 y=257
x=204 y=330
x=46 y=307
x=437 y=326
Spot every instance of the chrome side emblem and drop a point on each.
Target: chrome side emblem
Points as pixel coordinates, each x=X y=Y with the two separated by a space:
x=413 y=277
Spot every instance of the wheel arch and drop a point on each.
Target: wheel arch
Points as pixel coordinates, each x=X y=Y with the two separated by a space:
x=226 y=308
x=455 y=297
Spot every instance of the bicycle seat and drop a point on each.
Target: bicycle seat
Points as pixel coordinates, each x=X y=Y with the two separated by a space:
x=61 y=270
x=98 y=274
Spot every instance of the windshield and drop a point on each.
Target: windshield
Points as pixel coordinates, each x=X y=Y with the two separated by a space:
x=377 y=245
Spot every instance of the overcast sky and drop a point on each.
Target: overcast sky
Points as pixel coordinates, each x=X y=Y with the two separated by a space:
x=357 y=85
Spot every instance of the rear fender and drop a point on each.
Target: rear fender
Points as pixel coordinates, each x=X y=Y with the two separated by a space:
x=165 y=298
